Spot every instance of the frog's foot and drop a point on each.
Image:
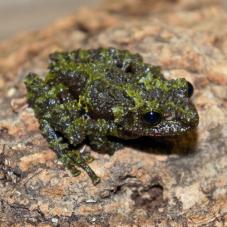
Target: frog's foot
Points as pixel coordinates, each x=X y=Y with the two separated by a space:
x=104 y=145
x=75 y=158
x=86 y=155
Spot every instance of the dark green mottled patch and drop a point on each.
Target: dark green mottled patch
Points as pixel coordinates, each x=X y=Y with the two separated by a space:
x=92 y=95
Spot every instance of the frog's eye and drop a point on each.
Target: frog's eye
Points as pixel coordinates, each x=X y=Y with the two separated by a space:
x=152 y=118
x=190 y=89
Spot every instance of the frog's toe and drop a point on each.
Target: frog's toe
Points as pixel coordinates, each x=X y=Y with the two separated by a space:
x=88 y=158
x=75 y=172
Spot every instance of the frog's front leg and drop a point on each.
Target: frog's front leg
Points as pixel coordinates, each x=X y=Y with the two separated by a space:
x=74 y=157
x=98 y=134
x=70 y=157
x=104 y=144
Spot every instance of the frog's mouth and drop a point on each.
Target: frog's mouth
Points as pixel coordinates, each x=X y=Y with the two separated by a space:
x=169 y=128
x=165 y=128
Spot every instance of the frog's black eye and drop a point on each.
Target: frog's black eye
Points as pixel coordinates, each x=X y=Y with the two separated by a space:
x=152 y=118
x=190 y=89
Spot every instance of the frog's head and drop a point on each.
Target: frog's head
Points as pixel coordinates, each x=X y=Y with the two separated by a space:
x=162 y=108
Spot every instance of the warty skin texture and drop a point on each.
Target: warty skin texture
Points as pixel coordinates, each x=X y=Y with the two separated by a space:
x=95 y=95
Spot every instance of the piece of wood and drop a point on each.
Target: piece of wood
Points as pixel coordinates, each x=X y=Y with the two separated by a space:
x=167 y=182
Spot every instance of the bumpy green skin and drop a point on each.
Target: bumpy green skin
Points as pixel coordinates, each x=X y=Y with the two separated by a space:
x=95 y=95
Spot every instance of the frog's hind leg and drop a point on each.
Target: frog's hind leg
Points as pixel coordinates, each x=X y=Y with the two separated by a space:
x=35 y=87
x=56 y=142
x=70 y=158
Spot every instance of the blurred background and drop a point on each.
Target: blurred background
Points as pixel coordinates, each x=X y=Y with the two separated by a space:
x=27 y=15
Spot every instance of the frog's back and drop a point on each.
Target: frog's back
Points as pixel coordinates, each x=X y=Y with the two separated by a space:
x=118 y=67
x=102 y=79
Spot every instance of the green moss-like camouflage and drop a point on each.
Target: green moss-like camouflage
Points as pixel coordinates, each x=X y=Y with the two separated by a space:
x=95 y=95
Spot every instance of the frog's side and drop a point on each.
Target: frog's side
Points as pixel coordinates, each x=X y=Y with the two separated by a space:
x=104 y=93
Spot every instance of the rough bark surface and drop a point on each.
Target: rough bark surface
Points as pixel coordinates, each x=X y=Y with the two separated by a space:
x=169 y=182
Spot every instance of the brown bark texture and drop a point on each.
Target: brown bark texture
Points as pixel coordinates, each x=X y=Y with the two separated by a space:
x=179 y=181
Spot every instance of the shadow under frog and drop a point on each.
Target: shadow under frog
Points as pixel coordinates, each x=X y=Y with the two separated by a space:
x=181 y=145
x=105 y=96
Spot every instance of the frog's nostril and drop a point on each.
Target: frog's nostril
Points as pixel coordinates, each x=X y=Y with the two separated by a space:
x=169 y=117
